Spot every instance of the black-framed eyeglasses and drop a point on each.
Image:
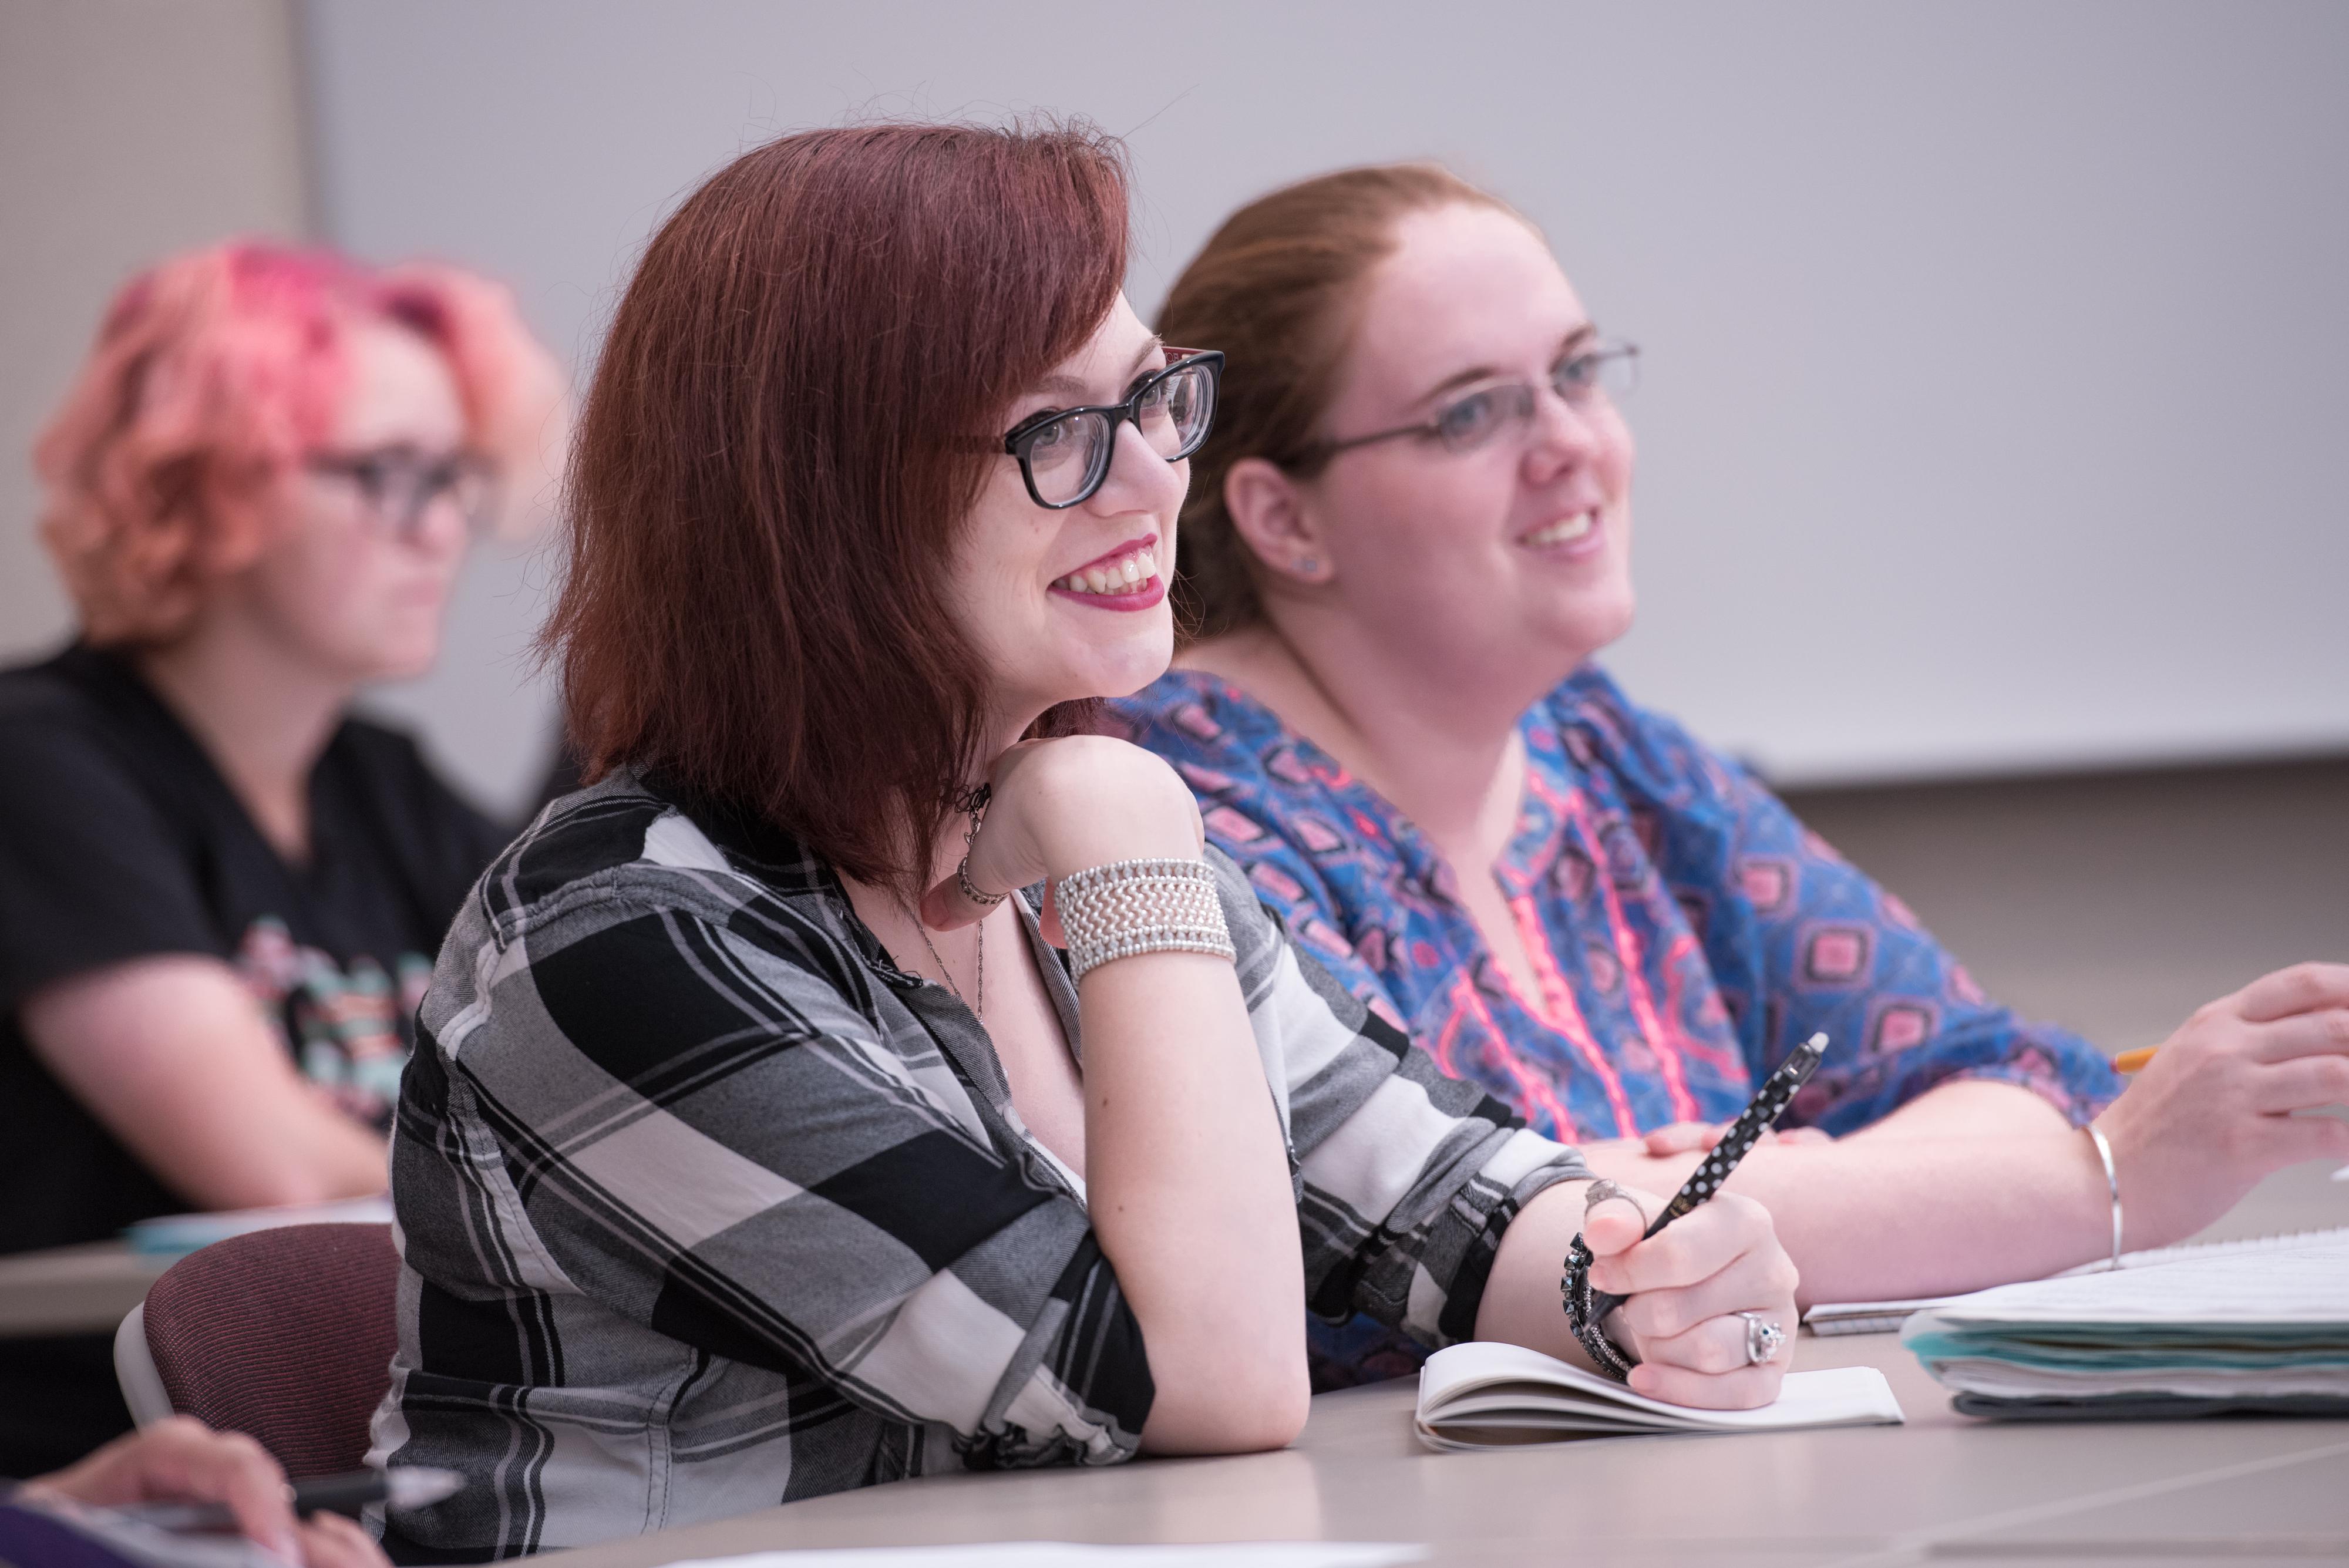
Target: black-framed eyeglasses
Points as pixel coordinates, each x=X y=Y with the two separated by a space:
x=397 y=484
x=1064 y=453
x=1597 y=372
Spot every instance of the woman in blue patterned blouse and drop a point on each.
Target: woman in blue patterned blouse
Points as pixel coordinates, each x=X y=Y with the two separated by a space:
x=1405 y=540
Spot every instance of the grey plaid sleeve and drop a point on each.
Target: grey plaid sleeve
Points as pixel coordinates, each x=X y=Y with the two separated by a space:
x=1406 y=1178
x=693 y=1107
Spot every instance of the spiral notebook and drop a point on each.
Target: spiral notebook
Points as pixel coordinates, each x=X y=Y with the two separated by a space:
x=1887 y=1317
x=1485 y=1395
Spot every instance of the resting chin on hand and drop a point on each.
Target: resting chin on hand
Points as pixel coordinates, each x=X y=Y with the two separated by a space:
x=183 y=1460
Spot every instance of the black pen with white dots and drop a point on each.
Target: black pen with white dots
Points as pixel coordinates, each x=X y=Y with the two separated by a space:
x=1769 y=1104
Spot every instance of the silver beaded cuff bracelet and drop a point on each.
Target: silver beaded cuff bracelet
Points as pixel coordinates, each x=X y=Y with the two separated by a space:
x=1132 y=907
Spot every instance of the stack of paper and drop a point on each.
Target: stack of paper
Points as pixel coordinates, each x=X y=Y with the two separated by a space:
x=1884 y=1317
x=2263 y=1329
x=1485 y=1395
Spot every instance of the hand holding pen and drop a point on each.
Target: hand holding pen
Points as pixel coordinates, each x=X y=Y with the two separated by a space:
x=2248 y=1085
x=179 y=1463
x=404 y=1486
x=1703 y=1327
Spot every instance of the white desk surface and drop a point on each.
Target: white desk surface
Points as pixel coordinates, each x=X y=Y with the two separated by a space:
x=1943 y=1487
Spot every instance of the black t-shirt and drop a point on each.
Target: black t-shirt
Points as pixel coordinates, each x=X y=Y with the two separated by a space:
x=119 y=839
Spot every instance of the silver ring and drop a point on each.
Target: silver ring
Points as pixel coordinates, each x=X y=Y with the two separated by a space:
x=984 y=900
x=1600 y=1190
x=1762 y=1339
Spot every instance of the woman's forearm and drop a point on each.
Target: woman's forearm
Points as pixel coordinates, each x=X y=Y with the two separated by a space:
x=171 y=1054
x=1186 y=1175
x=1880 y=1218
x=1187 y=1179
x=1963 y=1107
x=1521 y=1303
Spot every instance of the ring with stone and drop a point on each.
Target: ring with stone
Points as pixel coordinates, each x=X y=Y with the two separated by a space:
x=1762 y=1339
x=1600 y=1190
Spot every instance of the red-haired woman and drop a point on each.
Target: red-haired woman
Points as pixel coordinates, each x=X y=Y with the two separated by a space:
x=259 y=489
x=764 y=1141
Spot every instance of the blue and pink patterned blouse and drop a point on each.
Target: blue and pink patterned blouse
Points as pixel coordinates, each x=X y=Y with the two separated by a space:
x=1685 y=930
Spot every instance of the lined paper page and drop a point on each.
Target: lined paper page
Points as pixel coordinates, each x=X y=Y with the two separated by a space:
x=1827 y=1317
x=2308 y=1284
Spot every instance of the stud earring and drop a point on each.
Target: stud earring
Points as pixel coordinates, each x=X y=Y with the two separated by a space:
x=1308 y=567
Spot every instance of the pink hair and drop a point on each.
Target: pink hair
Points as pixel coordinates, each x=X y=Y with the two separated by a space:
x=217 y=370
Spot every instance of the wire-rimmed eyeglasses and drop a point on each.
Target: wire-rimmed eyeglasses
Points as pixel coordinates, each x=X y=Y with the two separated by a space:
x=1064 y=453
x=1597 y=370
x=397 y=484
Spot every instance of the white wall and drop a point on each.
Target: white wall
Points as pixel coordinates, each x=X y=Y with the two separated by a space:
x=1997 y=354
x=129 y=129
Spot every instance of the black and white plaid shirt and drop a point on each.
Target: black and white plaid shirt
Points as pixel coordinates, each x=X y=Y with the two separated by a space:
x=705 y=1205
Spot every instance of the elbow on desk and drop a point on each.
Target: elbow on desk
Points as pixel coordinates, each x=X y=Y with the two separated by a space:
x=1220 y=1408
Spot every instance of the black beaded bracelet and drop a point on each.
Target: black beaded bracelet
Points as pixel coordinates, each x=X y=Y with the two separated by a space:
x=1575 y=1286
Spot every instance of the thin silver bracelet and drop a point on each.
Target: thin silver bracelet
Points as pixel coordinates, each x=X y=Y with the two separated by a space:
x=2111 y=1180
x=1128 y=908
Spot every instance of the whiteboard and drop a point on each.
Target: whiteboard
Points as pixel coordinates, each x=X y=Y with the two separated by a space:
x=1992 y=352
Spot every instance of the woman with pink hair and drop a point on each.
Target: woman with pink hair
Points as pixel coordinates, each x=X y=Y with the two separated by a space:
x=259 y=491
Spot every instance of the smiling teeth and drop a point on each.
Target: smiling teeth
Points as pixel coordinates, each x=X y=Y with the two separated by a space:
x=1564 y=529
x=1121 y=575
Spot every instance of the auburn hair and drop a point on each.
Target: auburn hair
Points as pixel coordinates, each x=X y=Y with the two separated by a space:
x=214 y=373
x=788 y=425
x=1279 y=288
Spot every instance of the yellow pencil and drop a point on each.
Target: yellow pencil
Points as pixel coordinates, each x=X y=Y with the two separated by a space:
x=2134 y=1061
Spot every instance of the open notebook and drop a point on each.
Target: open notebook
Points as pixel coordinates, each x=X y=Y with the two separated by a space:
x=2233 y=1327
x=1484 y=1394
x=1885 y=1317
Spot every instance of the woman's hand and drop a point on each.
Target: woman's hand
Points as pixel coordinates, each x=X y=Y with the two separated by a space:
x=1686 y=1285
x=1061 y=805
x=1685 y=1288
x=2211 y=1112
x=183 y=1460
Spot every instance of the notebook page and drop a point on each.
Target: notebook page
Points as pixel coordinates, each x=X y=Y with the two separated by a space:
x=1825 y=1314
x=1836 y=1395
x=2304 y=1285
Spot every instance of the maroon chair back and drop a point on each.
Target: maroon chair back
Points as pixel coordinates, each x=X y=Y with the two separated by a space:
x=285 y=1334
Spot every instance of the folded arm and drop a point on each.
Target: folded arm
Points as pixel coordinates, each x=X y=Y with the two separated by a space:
x=172 y=1055
x=111 y=962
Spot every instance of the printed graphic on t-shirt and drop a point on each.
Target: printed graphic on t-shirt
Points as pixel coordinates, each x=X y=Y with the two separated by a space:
x=349 y=1027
